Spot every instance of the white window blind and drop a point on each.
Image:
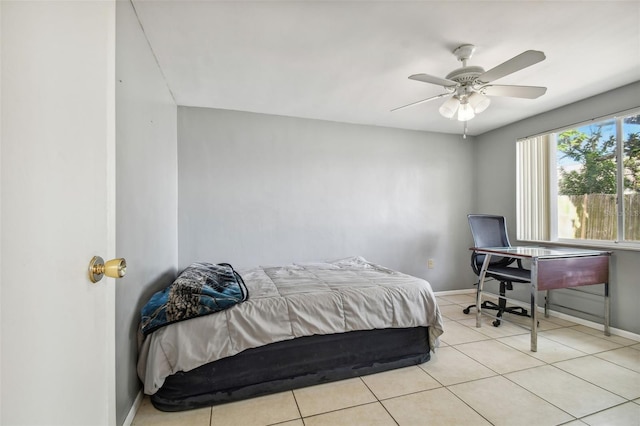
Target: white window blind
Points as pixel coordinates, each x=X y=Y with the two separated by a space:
x=532 y=180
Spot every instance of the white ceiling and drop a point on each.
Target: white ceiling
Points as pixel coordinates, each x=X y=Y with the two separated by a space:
x=348 y=61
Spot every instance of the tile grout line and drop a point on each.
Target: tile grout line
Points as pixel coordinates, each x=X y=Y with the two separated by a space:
x=337 y=410
x=379 y=401
x=605 y=409
x=544 y=399
x=297 y=406
x=506 y=378
x=455 y=347
x=554 y=340
x=595 y=384
x=626 y=400
x=465 y=403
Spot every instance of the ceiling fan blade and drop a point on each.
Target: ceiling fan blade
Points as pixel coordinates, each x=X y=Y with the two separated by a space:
x=523 y=60
x=422 y=101
x=527 y=92
x=426 y=78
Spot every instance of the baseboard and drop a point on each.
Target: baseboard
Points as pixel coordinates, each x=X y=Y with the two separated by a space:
x=134 y=409
x=615 y=331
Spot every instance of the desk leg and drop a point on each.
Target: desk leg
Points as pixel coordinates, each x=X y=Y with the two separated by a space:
x=483 y=273
x=546 y=304
x=607 y=310
x=534 y=305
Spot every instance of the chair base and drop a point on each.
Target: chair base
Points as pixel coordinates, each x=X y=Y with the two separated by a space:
x=487 y=304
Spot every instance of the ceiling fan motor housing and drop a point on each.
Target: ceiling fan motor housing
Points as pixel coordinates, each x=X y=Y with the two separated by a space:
x=465 y=75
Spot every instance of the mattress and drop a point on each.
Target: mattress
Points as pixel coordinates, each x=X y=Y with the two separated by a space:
x=292 y=364
x=288 y=302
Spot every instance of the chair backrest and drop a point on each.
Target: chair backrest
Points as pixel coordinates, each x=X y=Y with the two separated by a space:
x=488 y=231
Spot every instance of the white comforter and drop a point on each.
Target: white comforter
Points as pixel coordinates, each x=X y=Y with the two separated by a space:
x=293 y=301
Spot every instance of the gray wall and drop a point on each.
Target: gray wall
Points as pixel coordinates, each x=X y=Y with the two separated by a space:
x=496 y=188
x=261 y=189
x=146 y=188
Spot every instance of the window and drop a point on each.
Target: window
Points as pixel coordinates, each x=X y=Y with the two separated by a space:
x=581 y=183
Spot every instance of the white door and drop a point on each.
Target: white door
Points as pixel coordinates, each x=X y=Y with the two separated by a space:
x=57 y=211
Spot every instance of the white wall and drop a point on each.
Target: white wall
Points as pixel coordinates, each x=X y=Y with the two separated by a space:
x=495 y=183
x=147 y=185
x=262 y=189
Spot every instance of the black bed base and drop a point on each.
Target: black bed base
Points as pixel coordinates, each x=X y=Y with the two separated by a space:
x=293 y=364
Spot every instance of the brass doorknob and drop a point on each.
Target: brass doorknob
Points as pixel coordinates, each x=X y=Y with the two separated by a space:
x=114 y=268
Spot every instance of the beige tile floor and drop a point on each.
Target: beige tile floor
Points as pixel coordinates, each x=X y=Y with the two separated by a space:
x=479 y=376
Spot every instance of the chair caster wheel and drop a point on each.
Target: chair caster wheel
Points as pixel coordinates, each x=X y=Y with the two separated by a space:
x=466 y=310
x=496 y=323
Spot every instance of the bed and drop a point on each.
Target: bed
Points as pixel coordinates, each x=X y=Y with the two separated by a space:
x=302 y=324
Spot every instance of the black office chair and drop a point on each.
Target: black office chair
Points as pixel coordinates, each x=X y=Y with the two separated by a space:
x=491 y=231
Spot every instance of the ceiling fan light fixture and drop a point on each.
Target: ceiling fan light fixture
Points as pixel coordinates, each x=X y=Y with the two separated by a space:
x=479 y=102
x=465 y=112
x=449 y=108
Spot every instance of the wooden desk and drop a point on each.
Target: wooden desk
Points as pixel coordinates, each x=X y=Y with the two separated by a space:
x=552 y=268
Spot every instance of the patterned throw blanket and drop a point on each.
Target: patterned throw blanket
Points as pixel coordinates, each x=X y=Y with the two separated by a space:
x=201 y=289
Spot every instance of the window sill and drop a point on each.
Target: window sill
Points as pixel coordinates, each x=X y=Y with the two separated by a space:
x=601 y=245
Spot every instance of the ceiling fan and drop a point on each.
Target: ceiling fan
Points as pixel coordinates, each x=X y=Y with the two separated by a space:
x=469 y=88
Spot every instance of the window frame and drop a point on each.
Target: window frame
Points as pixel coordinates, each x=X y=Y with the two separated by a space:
x=552 y=190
